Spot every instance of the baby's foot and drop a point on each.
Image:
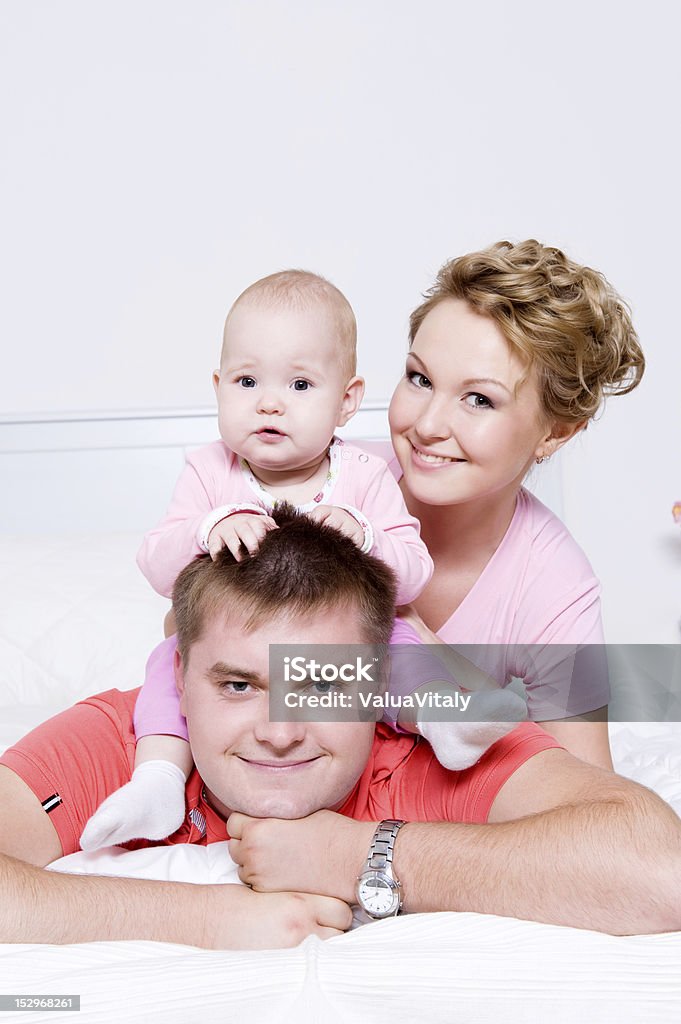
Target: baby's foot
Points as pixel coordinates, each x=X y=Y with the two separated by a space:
x=490 y=715
x=150 y=806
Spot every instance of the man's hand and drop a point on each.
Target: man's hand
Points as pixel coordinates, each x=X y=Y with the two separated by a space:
x=323 y=853
x=341 y=520
x=244 y=528
x=240 y=919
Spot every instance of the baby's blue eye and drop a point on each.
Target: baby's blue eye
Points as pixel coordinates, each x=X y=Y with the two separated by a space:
x=301 y=385
x=247 y=382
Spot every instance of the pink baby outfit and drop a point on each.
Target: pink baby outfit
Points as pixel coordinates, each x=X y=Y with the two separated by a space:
x=215 y=476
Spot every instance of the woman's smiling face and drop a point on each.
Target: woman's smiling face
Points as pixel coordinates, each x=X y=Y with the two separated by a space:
x=466 y=419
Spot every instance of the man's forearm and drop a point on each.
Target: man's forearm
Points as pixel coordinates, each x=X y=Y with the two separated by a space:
x=588 y=866
x=608 y=864
x=43 y=906
x=590 y=850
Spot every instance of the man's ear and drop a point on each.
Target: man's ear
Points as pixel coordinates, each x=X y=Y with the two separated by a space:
x=178 y=669
x=559 y=434
x=354 y=393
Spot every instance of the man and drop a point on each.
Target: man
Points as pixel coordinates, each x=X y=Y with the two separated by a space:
x=527 y=832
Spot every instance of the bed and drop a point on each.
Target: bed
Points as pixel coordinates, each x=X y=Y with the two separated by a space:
x=76 y=617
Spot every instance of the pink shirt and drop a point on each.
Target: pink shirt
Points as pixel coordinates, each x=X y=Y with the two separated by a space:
x=213 y=476
x=534 y=613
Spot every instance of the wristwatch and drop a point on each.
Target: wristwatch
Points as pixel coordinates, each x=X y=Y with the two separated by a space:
x=378 y=891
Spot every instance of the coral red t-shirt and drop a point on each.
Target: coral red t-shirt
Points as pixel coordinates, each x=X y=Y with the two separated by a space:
x=78 y=758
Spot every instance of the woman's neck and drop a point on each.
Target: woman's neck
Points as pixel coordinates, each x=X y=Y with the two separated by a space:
x=464 y=533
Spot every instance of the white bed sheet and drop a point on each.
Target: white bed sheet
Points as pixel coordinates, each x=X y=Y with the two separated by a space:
x=76 y=617
x=435 y=967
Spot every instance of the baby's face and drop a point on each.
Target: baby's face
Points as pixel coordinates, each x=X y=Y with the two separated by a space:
x=281 y=388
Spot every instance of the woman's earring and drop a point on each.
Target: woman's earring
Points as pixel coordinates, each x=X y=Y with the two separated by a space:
x=542 y=458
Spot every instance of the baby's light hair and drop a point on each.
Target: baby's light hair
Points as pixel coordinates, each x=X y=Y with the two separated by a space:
x=301 y=289
x=565 y=320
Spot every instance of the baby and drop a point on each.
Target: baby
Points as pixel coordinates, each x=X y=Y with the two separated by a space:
x=286 y=381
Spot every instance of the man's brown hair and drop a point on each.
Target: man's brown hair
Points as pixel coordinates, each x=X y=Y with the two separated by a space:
x=300 y=568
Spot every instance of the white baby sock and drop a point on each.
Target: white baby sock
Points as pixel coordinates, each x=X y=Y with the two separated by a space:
x=490 y=713
x=150 y=806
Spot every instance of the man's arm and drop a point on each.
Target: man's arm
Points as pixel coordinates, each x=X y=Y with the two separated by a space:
x=566 y=843
x=586 y=736
x=44 y=906
x=590 y=850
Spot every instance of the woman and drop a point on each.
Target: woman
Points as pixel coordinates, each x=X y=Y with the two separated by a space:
x=511 y=355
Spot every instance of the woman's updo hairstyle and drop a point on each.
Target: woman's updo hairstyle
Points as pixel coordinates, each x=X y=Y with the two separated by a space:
x=563 y=319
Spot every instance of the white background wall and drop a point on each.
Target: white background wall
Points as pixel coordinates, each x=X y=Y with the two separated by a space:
x=157 y=156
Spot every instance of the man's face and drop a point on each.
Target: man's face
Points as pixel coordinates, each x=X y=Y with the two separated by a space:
x=249 y=764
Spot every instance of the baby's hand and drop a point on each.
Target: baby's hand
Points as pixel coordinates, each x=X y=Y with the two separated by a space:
x=241 y=528
x=341 y=520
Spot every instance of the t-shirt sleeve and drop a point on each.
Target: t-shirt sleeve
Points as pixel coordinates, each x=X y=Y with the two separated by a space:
x=397 y=534
x=172 y=544
x=564 y=677
x=76 y=759
x=564 y=668
x=535 y=614
x=433 y=793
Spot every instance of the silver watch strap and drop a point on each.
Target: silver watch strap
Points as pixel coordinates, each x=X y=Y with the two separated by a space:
x=383 y=845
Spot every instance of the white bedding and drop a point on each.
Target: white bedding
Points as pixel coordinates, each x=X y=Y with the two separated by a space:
x=77 y=617
x=436 y=967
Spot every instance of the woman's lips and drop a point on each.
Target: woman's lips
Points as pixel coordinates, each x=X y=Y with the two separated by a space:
x=431 y=460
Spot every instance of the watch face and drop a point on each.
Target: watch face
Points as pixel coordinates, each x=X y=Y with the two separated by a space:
x=378 y=895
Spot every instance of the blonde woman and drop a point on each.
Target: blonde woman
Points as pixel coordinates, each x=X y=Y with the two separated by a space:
x=511 y=354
